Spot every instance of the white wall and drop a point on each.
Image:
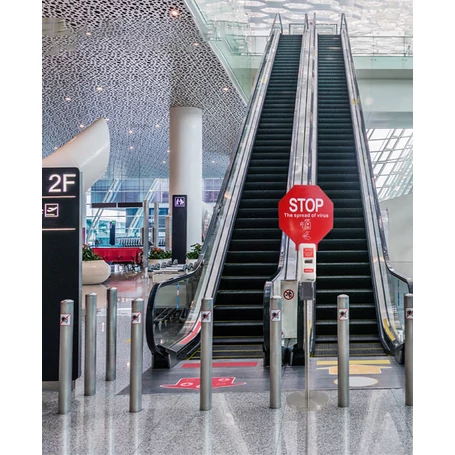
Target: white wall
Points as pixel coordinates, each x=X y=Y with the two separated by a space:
x=400 y=233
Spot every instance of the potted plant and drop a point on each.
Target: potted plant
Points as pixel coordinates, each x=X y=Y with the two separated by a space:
x=95 y=269
x=193 y=255
x=156 y=256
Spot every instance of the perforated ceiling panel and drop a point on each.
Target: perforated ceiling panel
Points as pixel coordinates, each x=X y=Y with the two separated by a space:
x=130 y=61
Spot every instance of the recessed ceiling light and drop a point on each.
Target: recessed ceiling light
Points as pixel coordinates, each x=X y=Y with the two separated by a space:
x=168 y=151
x=88 y=33
x=157 y=125
x=55 y=148
x=99 y=88
x=195 y=44
x=174 y=12
x=164 y=161
x=213 y=162
x=67 y=98
x=131 y=147
x=225 y=89
x=81 y=126
x=130 y=132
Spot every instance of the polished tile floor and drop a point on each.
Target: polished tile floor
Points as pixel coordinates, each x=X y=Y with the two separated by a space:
x=241 y=422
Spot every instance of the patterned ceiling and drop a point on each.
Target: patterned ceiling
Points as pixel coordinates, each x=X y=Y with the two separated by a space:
x=130 y=60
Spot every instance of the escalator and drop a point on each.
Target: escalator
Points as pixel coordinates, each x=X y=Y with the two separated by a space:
x=254 y=248
x=342 y=257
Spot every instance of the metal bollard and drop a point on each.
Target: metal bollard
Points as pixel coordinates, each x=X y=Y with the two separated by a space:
x=408 y=348
x=65 y=356
x=206 y=354
x=137 y=342
x=275 y=352
x=111 y=335
x=343 y=350
x=90 y=345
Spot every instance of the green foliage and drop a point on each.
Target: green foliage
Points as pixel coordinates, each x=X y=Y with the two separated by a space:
x=195 y=251
x=89 y=255
x=157 y=253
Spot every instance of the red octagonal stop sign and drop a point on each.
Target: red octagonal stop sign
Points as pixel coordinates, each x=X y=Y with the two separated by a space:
x=305 y=214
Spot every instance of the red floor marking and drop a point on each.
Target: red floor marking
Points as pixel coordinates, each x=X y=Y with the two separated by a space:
x=222 y=364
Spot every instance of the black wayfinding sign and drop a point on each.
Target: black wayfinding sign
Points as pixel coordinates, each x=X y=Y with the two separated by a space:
x=62 y=256
x=179 y=222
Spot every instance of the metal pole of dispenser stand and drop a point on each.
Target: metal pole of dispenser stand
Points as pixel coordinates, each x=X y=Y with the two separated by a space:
x=343 y=350
x=206 y=354
x=90 y=345
x=111 y=335
x=311 y=400
x=137 y=346
x=408 y=348
x=275 y=352
x=65 y=356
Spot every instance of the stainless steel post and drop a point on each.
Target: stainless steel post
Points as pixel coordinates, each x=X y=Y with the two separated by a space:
x=168 y=232
x=145 y=238
x=275 y=352
x=343 y=350
x=90 y=345
x=156 y=221
x=408 y=348
x=137 y=347
x=65 y=356
x=206 y=354
x=111 y=335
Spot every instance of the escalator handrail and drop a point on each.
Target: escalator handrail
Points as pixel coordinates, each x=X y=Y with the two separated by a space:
x=243 y=152
x=373 y=217
x=370 y=164
x=313 y=133
x=150 y=334
x=298 y=167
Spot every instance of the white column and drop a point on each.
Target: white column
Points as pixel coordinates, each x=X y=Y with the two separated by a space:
x=185 y=165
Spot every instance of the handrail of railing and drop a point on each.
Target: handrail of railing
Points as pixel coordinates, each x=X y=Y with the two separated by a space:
x=227 y=203
x=375 y=232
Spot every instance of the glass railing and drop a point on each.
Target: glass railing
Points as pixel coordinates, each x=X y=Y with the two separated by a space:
x=381 y=45
x=389 y=286
x=224 y=25
x=170 y=344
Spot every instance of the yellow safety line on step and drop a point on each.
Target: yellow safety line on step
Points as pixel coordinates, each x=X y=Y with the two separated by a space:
x=355 y=362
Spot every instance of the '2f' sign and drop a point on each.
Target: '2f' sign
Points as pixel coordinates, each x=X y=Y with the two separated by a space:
x=61 y=182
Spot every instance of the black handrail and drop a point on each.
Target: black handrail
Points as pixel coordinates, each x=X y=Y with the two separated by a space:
x=370 y=165
x=379 y=257
x=220 y=200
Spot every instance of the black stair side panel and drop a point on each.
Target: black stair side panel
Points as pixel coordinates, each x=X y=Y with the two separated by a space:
x=342 y=259
x=254 y=248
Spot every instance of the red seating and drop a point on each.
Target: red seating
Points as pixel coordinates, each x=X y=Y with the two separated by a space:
x=120 y=255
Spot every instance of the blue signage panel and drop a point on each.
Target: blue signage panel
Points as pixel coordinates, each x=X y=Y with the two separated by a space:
x=179 y=223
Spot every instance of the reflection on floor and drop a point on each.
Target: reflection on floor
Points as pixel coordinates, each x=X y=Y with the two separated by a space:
x=241 y=421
